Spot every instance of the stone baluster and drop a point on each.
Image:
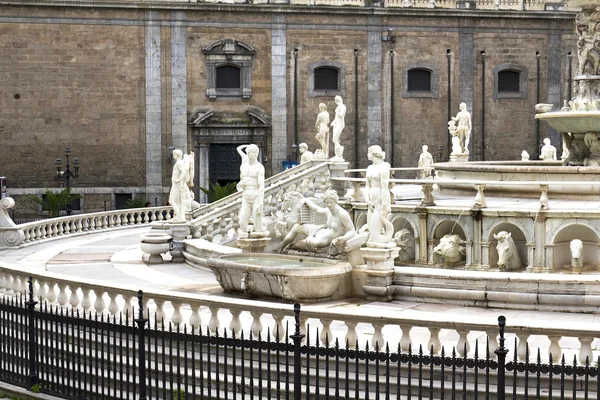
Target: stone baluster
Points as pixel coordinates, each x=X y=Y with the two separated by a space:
x=326 y=334
x=522 y=345
x=256 y=327
x=86 y=301
x=544 y=197
x=51 y=296
x=40 y=232
x=217 y=225
x=492 y=341
x=27 y=235
x=85 y=224
x=59 y=230
x=209 y=232
x=144 y=306
x=405 y=340
x=62 y=294
x=177 y=317
x=585 y=352
x=351 y=336
x=279 y=331
x=118 y=220
x=195 y=320
x=99 y=304
x=214 y=324
x=236 y=325
x=480 y=197
x=113 y=306
x=128 y=305
x=462 y=346
x=434 y=340
x=160 y=311
x=24 y=287
x=554 y=348
x=377 y=340
x=138 y=218
x=40 y=293
x=427 y=189
x=303 y=328
x=74 y=299
x=235 y=218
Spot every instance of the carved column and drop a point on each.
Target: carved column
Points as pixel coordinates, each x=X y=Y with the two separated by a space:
x=540 y=240
x=422 y=251
x=477 y=216
x=469 y=253
x=530 y=256
x=202 y=169
x=485 y=255
x=549 y=259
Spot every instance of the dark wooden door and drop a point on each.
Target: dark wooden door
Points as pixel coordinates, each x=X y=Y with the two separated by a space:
x=224 y=164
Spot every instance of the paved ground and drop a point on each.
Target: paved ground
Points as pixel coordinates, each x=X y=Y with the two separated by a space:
x=115 y=257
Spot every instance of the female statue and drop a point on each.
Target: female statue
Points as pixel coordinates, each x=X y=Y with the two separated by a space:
x=378 y=197
x=252 y=186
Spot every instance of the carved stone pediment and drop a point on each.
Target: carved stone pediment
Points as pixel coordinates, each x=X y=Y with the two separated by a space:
x=229 y=47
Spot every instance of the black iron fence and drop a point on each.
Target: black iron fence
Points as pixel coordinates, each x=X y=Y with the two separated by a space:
x=85 y=356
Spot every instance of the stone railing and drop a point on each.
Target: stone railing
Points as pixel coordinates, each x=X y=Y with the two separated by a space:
x=356 y=325
x=514 y=5
x=12 y=235
x=221 y=216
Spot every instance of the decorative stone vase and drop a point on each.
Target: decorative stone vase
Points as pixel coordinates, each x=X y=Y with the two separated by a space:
x=153 y=245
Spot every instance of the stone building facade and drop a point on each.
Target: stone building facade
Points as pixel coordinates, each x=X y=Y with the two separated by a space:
x=123 y=83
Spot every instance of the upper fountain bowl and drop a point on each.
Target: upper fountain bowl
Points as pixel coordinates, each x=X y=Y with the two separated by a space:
x=572 y=121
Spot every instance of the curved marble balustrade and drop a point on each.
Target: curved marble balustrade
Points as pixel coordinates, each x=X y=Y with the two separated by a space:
x=267 y=318
x=55 y=228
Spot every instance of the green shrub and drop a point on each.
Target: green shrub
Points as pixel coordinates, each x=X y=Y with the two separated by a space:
x=136 y=202
x=54 y=202
x=217 y=192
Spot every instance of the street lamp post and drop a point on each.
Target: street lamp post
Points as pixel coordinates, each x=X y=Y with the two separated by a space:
x=67 y=173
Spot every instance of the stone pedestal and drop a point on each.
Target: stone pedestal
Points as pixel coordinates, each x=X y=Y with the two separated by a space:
x=380 y=270
x=256 y=242
x=337 y=170
x=179 y=231
x=459 y=157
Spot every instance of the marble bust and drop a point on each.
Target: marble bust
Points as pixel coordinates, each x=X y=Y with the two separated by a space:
x=338 y=125
x=305 y=155
x=252 y=186
x=378 y=198
x=548 y=152
x=312 y=237
x=322 y=136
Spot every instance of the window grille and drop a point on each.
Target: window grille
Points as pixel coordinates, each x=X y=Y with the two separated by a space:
x=509 y=81
x=419 y=80
x=326 y=79
x=228 y=77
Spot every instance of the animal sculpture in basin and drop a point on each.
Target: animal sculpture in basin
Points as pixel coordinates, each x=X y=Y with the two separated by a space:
x=405 y=240
x=450 y=249
x=576 y=246
x=508 y=255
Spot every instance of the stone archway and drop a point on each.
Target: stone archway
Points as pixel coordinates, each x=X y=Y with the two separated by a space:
x=224 y=132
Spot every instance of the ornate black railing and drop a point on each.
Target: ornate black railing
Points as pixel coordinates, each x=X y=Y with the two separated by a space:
x=85 y=356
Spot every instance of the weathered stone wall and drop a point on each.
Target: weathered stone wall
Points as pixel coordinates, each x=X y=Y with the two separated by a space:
x=107 y=82
x=77 y=85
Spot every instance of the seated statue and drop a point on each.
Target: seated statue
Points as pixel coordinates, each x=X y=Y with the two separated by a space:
x=338 y=229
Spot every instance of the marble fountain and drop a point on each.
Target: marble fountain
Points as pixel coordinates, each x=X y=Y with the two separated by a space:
x=515 y=234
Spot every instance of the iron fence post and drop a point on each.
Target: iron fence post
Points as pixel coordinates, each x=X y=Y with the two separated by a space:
x=297 y=338
x=141 y=322
x=32 y=379
x=501 y=353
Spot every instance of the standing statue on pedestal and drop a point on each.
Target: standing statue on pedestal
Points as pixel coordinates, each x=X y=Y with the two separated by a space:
x=180 y=197
x=378 y=197
x=426 y=163
x=252 y=186
x=463 y=129
x=322 y=137
x=338 y=125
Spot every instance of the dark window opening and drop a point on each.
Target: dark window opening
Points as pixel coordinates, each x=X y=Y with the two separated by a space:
x=121 y=200
x=228 y=77
x=509 y=81
x=419 y=80
x=326 y=78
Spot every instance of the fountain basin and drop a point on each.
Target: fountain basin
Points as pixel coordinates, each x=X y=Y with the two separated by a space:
x=572 y=121
x=519 y=178
x=155 y=244
x=294 y=278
